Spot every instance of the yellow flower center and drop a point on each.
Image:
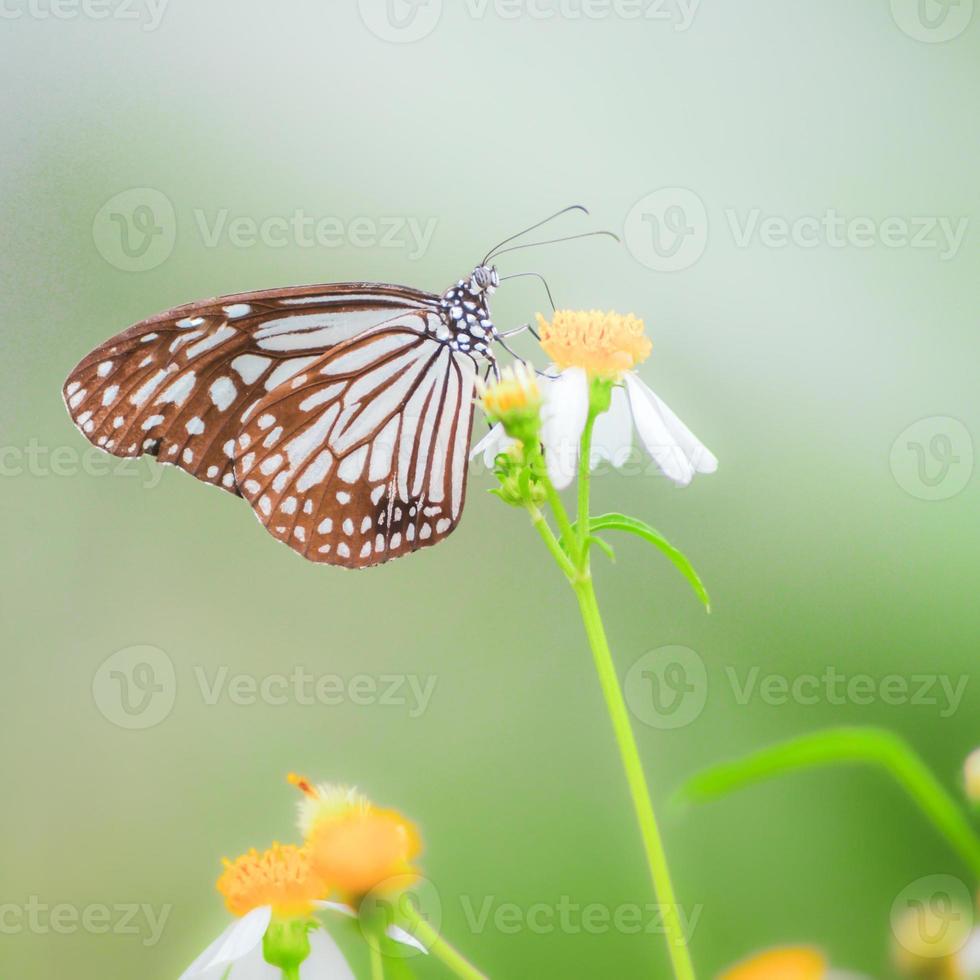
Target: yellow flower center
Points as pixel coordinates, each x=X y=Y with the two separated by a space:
x=282 y=877
x=516 y=390
x=354 y=845
x=604 y=344
x=781 y=964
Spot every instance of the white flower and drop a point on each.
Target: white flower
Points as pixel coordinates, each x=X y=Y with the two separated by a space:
x=239 y=948
x=673 y=447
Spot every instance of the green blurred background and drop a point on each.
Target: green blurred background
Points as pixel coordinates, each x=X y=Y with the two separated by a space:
x=802 y=366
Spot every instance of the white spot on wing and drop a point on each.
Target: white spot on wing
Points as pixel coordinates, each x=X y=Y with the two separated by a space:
x=250 y=366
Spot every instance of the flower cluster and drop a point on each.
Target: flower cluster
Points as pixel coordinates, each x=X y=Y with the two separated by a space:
x=591 y=380
x=350 y=849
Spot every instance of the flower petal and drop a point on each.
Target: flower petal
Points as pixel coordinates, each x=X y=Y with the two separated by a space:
x=326 y=961
x=612 y=435
x=252 y=966
x=563 y=418
x=495 y=442
x=405 y=938
x=199 y=966
x=702 y=459
x=340 y=907
x=237 y=941
x=655 y=434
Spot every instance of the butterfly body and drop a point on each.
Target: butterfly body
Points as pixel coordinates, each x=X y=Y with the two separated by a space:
x=340 y=412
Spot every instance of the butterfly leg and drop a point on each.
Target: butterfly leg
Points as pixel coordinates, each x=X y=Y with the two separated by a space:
x=519 y=330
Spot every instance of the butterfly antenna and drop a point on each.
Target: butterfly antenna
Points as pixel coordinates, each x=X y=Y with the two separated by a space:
x=551 y=217
x=536 y=275
x=555 y=241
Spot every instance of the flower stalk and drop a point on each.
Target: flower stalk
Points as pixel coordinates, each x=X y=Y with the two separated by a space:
x=591 y=393
x=582 y=584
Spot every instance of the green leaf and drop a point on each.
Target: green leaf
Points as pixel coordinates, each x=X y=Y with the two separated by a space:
x=846 y=746
x=620 y=522
x=603 y=546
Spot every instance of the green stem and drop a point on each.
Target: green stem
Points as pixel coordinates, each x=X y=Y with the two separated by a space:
x=437 y=946
x=581 y=581
x=652 y=842
x=290 y=972
x=377 y=962
x=548 y=536
x=584 y=483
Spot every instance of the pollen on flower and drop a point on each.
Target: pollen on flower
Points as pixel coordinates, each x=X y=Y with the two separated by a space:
x=790 y=963
x=604 y=344
x=354 y=845
x=516 y=390
x=282 y=876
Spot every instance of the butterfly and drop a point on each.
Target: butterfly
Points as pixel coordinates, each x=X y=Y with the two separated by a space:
x=342 y=413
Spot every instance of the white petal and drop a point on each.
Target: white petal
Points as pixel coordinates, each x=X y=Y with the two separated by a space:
x=654 y=433
x=702 y=459
x=253 y=966
x=200 y=965
x=612 y=435
x=495 y=442
x=325 y=962
x=405 y=938
x=968 y=958
x=340 y=907
x=566 y=406
x=236 y=942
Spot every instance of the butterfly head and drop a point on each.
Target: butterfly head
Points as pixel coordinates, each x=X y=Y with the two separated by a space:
x=466 y=321
x=484 y=279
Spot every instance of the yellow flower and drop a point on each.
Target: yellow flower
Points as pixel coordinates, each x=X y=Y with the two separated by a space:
x=515 y=391
x=281 y=878
x=354 y=845
x=604 y=344
x=789 y=963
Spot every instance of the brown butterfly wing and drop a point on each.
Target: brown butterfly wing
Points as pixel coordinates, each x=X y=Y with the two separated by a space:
x=177 y=385
x=362 y=457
